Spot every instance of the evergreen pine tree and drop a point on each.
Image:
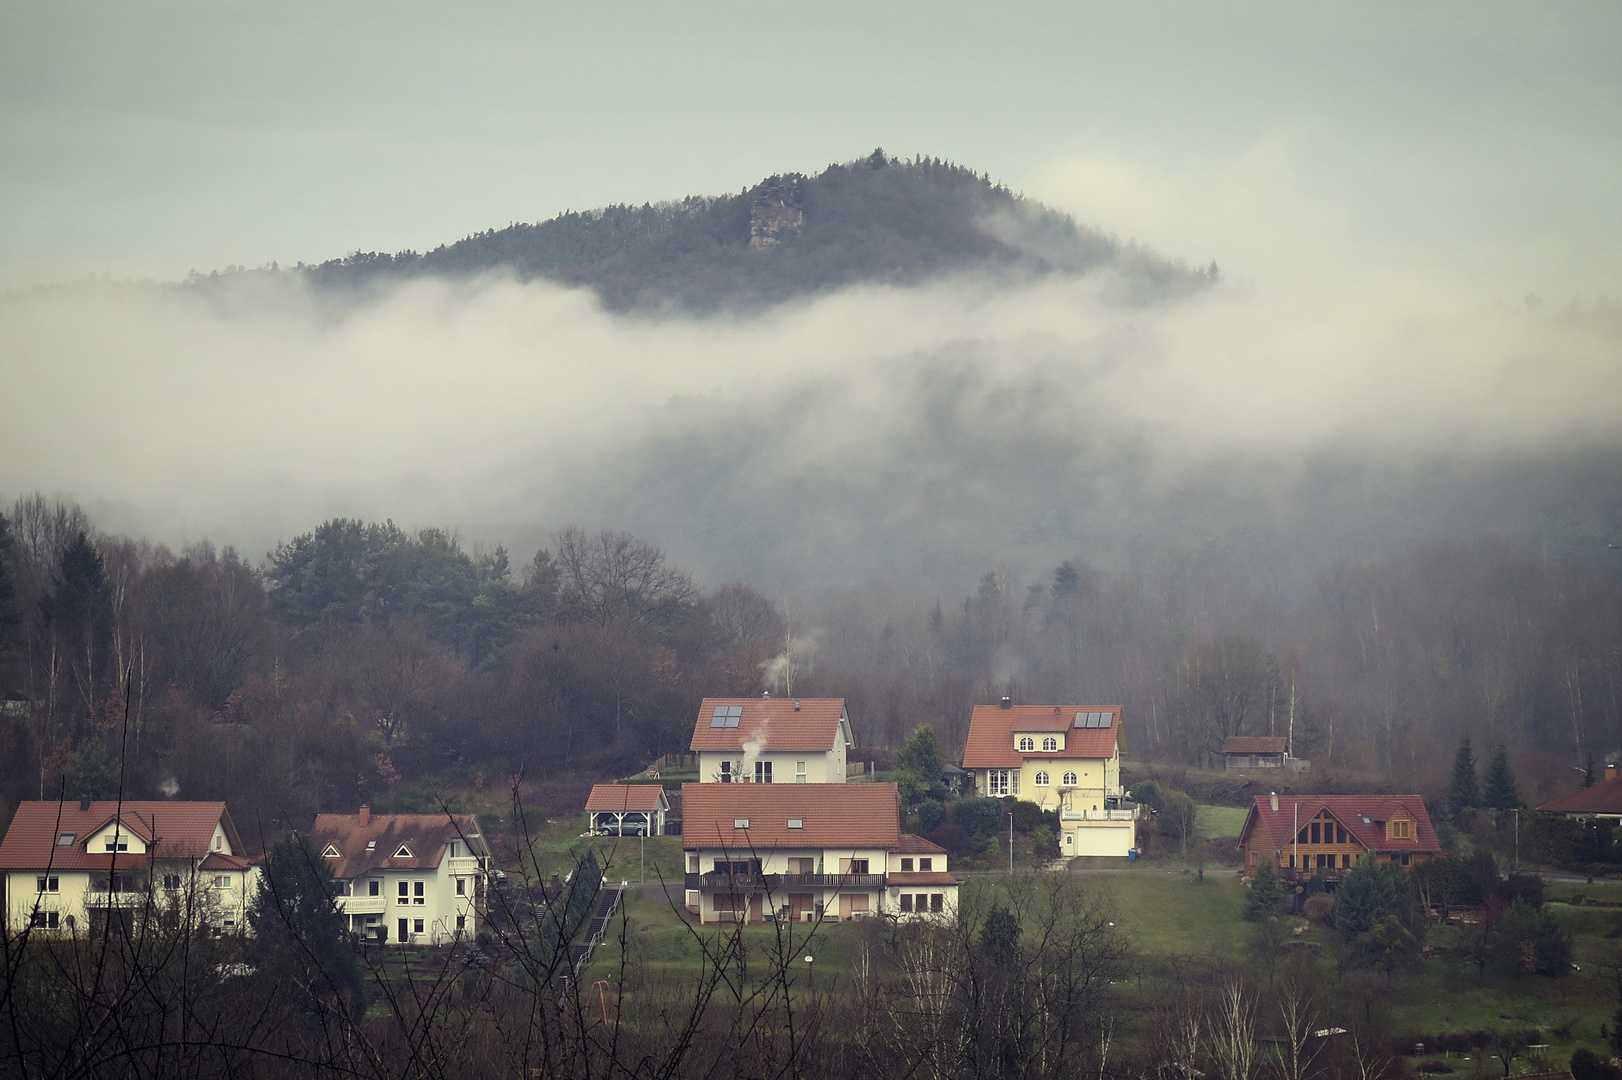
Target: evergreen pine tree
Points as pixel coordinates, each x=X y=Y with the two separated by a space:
x=1464 y=792
x=1266 y=892
x=298 y=933
x=1500 y=792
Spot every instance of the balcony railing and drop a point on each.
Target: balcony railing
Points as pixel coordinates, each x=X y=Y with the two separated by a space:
x=363 y=905
x=463 y=864
x=780 y=882
x=120 y=898
x=1098 y=815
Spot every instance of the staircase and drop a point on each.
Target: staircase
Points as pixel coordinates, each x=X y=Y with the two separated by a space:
x=608 y=902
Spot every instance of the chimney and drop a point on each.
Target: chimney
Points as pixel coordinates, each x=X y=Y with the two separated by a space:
x=1274 y=800
x=365 y=816
x=1610 y=773
x=84 y=804
x=1007 y=702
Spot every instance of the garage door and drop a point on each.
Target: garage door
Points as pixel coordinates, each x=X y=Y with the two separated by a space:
x=1111 y=839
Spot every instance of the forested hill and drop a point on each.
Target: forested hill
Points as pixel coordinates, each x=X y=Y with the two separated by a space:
x=877 y=219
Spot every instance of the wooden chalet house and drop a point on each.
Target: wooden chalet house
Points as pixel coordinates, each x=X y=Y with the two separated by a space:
x=1307 y=835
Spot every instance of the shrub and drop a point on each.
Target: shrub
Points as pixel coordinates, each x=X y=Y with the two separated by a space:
x=978 y=817
x=1266 y=893
x=1319 y=908
x=1147 y=793
x=930 y=814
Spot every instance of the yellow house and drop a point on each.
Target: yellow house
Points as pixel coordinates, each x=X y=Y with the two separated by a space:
x=1064 y=758
x=81 y=869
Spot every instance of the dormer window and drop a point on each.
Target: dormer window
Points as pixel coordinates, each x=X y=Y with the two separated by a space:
x=1026 y=744
x=403 y=852
x=1050 y=744
x=116 y=842
x=1400 y=829
x=331 y=852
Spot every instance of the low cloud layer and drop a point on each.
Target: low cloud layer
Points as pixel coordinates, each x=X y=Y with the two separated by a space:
x=914 y=433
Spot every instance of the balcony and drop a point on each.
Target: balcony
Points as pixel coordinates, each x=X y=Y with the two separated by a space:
x=463 y=865
x=363 y=905
x=118 y=899
x=1098 y=815
x=783 y=882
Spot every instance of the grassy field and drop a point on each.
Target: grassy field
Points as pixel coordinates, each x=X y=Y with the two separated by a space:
x=1219 y=822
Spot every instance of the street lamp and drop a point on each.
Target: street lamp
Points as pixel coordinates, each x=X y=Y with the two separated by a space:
x=813 y=971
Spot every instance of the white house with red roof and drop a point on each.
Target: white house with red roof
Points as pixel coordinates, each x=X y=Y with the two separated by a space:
x=769 y=740
x=1064 y=758
x=808 y=853
x=1326 y=835
x=627 y=809
x=79 y=868
x=406 y=878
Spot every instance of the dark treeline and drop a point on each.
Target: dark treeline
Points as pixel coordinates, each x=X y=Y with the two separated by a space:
x=363 y=662
x=876 y=219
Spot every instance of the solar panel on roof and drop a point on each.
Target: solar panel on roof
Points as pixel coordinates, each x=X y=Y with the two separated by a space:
x=726 y=716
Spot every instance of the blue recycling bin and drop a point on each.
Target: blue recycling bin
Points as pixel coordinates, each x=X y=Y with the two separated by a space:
x=1132 y=854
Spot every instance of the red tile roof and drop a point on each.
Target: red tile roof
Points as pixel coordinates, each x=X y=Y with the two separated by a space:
x=992 y=729
x=183 y=830
x=1254 y=744
x=426 y=836
x=1350 y=811
x=833 y=815
x=219 y=860
x=622 y=797
x=772 y=724
x=1603 y=798
x=911 y=844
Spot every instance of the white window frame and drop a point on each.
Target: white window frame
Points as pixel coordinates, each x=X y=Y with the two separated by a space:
x=1041 y=778
x=1069 y=779
x=1027 y=745
x=1050 y=744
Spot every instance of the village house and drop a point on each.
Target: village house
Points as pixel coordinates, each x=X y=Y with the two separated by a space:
x=406 y=878
x=627 y=809
x=1601 y=802
x=1307 y=835
x=809 y=852
x=1064 y=758
x=82 y=868
x=772 y=740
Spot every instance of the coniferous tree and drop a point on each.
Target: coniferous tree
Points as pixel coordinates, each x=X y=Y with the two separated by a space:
x=298 y=932
x=1464 y=792
x=1266 y=892
x=1500 y=791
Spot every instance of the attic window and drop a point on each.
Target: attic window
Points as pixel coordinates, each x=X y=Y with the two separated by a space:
x=740 y=823
x=1093 y=719
x=726 y=716
x=403 y=853
x=796 y=823
x=331 y=852
x=66 y=839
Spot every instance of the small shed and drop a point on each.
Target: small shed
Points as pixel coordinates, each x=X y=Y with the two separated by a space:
x=627 y=809
x=1254 y=751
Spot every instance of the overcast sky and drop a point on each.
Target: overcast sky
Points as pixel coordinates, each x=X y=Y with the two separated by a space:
x=1415 y=207
x=150 y=139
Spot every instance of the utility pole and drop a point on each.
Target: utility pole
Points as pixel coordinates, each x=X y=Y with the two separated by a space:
x=1290 y=741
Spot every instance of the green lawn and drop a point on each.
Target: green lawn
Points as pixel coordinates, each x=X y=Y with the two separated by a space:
x=1219 y=822
x=1176 y=913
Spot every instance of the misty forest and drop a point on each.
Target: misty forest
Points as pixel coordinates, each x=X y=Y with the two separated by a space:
x=914 y=524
